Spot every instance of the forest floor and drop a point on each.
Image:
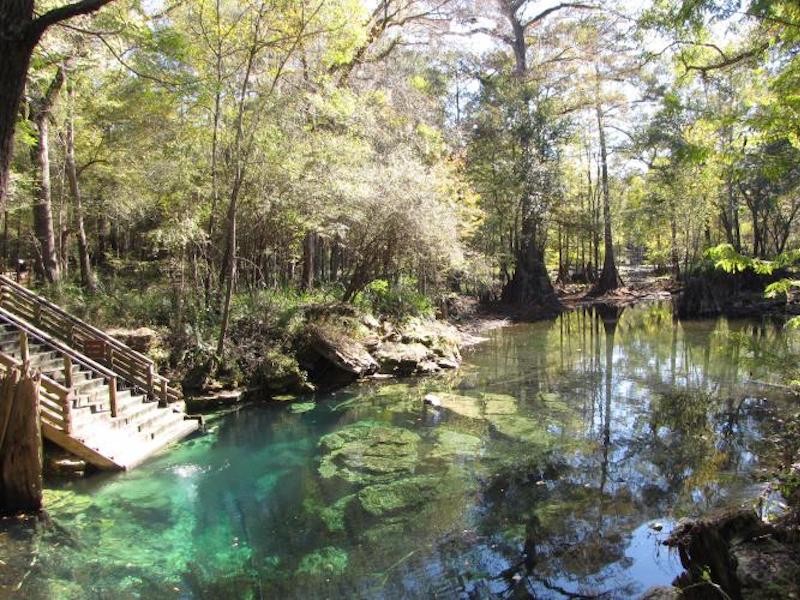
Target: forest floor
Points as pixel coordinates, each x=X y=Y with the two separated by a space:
x=639 y=284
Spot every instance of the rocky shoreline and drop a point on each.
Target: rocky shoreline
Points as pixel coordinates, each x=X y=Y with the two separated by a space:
x=331 y=357
x=734 y=555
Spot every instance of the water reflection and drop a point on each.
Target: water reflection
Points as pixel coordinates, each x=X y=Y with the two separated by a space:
x=561 y=456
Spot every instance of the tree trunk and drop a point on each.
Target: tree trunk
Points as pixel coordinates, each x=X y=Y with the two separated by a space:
x=240 y=164
x=609 y=278
x=309 y=252
x=530 y=283
x=87 y=277
x=42 y=208
x=20 y=444
x=230 y=269
x=673 y=226
x=19 y=34
x=16 y=52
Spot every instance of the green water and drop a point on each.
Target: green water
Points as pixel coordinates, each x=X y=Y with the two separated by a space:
x=563 y=453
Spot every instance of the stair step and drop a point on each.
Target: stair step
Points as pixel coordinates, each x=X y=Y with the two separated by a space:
x=86 y=386
x=48 y=364
x=137 y=454
x=129 y=408
x=150 y=423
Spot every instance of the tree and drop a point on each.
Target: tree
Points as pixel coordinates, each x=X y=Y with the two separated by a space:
x=42 y=208
x=87 y=277
x=535 y=127
x=20 y=32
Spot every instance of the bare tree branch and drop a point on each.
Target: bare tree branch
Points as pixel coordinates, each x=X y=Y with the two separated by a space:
x=547 y=12
x=38 y=26
x=726 y=61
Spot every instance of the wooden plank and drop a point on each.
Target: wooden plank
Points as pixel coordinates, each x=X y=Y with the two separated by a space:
x=79 y=449
x=54 y=387
x=53 y=404
x=49 y=417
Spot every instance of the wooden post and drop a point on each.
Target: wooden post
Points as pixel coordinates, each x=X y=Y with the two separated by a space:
x=150 y=390
x=67 y=408
x=20 y=443
x=67 y=372
x=23 y=346
x=165 y=391
x=37 y=315
x=112 y=395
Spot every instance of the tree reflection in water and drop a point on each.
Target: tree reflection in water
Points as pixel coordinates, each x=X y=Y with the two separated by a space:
x=556 y=447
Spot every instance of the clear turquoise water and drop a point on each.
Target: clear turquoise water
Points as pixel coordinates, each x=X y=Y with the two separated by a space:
x=563 y=454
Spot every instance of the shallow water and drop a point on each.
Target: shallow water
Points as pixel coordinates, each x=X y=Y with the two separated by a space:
x=562 y=454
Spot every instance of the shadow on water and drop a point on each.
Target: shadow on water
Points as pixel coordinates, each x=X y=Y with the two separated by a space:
x=560 y=457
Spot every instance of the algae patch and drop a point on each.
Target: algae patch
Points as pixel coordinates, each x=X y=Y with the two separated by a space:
x=451 y=443
x=325 y=561
x=367 y=452
x=404 y=494
x=302 y=407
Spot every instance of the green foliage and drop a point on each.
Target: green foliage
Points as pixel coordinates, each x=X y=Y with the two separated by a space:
x=118 y=303
x=399 y=299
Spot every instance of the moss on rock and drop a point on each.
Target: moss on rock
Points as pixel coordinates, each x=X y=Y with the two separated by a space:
x=451 y=443
x=466 y=406
x=499 y=404
x=302 y=407
x=323 y=562
x=367 y=452
x=396 y=496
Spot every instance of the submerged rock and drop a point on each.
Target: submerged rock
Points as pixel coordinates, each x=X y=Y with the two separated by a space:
x=499 y=404
x=323 y=562
x=368 y=452
x=403 y=494
x=522 y=429
x=302 y=407
x=486 y=406
x=465 y=406
x=333 y=515
x=451 y=443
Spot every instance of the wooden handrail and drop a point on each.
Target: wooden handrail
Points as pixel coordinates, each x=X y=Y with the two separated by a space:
x=64 y=394
x=58 y=346
x=97 y=333
x=63 y=407
x=128 y=364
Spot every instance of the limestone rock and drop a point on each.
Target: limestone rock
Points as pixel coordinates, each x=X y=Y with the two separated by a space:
x=399 y=358
x=343 y=353
x=141 y=339
x=404 y=494
x=369 y=452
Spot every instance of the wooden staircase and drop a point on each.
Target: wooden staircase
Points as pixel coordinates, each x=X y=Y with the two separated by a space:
x=100 y=399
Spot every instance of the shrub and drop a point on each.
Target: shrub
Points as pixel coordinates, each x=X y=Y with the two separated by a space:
x=400 y=299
